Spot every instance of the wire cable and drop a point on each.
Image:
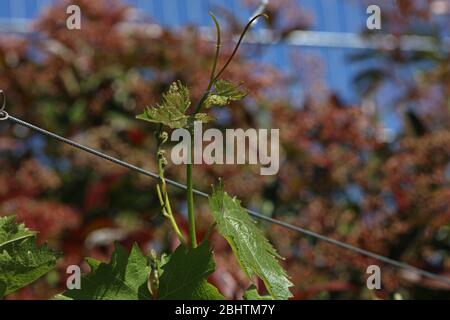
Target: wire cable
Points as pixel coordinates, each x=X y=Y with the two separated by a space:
x=5 y=116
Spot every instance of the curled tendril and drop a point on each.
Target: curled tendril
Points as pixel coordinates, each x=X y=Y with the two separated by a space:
x=216 y=57
x=162 y=157
x=3 y=114
x=163 y=136
x=241 y=37
x=2 y=108
x=215 y=76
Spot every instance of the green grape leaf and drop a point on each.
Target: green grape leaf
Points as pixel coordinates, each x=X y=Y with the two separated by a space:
x=202 y=117
x=252 y=294
x=252 y=249
x=185 y=275
x=123 y=278
x=21 y=260
x=172 y=111
x=225 y=92
x=11 y=232
x=93 y=263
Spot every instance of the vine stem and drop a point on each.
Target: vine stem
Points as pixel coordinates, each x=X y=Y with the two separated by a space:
x=161 y=189
x=190 y=188
x=190 y=202
x=213 y=78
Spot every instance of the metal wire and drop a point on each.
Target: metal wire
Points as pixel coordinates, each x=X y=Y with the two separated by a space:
x=5 y=116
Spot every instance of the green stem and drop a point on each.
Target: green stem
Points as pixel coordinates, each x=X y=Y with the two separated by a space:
x=167 y=212
x=213 y=78
x=190 y=203
x=189 y=167
x=163 y=195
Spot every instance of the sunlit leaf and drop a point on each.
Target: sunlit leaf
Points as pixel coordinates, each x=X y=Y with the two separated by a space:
x=123 y=278
x=252 y=249
x=252 y=294
x=11 y=232
x=21 y=260
x=185 y=275
x=171 y=112
x=224 y=92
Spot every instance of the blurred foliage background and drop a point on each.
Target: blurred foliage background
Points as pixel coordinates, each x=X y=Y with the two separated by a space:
x=341 y=174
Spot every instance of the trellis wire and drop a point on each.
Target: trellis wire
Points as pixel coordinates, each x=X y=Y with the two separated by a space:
x=401 y=265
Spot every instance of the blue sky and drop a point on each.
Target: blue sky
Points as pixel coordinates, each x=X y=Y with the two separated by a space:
x=329 y=15
x=347 y=16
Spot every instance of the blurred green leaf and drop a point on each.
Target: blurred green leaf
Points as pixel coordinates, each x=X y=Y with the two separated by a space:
x=78 y=111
